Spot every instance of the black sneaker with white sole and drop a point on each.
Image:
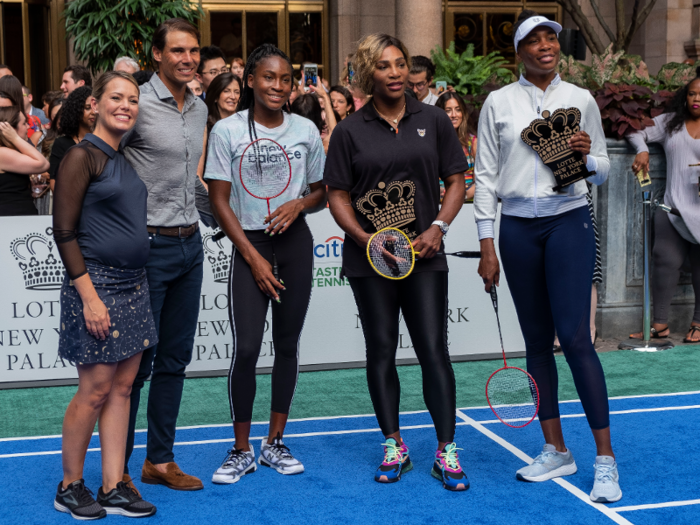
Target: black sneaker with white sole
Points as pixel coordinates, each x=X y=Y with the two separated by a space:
x=125 y=501
x=77 y=501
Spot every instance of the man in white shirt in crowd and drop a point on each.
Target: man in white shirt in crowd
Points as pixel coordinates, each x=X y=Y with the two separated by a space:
x=420 y=77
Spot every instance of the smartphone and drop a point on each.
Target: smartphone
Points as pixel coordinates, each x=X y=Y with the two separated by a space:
x=440 y=87
x=310 y=75
x=351 y=72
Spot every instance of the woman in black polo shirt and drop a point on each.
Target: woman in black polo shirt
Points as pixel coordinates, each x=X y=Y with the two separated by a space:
x=402 y=148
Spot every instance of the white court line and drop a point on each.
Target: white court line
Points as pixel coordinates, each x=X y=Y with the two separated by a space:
x=229 y=440
x=612 y=412
x=321 y=418
x=610 y=513
x=658 y=505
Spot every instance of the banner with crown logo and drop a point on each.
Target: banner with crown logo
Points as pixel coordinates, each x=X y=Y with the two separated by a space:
x=549 y=137
x=332 y=338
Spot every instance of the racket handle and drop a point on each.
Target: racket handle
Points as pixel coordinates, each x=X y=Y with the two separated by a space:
x=466 y=255
x=218 y=236
x=494 y=297
x=275 y=269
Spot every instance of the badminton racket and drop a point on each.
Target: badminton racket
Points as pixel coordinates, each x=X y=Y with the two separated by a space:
x=511 y=392
x=391 y=254
x=265 y=173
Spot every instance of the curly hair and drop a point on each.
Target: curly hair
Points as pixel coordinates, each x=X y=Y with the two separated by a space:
x=72 y=111
x=369 y=51
x=678 y=107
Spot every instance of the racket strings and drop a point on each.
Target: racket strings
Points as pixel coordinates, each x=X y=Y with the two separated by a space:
x=265 y=169
x=391 y=253
x=513 y=396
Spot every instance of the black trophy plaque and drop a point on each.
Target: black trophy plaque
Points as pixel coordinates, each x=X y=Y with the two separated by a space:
x=549 y=137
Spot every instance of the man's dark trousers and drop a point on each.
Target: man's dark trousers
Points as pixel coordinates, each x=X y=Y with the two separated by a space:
x=174 y=271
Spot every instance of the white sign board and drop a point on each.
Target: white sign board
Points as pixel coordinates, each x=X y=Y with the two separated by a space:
x=332 y=337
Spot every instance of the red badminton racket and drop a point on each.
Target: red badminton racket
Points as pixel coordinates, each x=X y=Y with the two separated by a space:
x=265 y=173
x=511 y=392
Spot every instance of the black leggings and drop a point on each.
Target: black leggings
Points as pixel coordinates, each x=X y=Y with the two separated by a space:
x=248 y=310
x=422 y=298
x=670 y=252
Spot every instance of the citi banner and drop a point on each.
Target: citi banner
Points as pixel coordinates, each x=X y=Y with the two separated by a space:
x=332 y=337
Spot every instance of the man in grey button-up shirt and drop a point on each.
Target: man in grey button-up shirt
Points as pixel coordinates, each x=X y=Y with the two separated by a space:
x=165 y=147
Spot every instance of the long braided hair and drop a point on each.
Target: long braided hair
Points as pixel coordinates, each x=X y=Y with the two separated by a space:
x=247 y=100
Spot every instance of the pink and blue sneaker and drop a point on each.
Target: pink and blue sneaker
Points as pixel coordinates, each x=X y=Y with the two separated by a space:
x=396 y=462
x=448 y=470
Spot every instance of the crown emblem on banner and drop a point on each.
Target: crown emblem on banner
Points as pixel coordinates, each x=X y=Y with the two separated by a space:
x=218 y=258
x=389 y=206
x=549 y=136
x=41 y=268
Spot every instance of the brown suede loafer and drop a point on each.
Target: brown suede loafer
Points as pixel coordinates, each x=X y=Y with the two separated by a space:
x=174 y=478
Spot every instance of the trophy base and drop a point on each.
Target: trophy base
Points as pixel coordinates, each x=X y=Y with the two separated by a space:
x=646 y=346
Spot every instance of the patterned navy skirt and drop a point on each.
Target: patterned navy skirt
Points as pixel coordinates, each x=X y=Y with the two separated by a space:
x=125 y=293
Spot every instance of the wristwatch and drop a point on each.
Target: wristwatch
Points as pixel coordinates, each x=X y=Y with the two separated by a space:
x=444 y=227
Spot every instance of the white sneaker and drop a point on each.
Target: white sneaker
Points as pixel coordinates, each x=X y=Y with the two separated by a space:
x=549 y=464
x=606 y=485
x=277 y=456
x=237 y=464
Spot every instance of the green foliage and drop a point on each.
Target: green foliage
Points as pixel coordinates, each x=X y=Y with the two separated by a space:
x=469 y=74
x=107 y=29
x=673 y=75
x=610 y=67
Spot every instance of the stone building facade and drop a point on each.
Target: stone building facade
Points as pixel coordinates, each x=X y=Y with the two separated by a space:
x=33 y=40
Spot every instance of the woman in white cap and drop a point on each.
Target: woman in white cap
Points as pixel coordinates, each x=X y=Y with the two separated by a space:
x=546 y=243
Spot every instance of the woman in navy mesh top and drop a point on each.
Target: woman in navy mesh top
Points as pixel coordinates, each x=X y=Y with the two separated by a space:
x=106 y=320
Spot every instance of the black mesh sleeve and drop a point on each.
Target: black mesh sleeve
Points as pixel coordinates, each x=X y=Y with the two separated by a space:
x=80 y=166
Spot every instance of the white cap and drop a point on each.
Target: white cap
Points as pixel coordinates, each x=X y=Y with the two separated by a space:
x=531 y=23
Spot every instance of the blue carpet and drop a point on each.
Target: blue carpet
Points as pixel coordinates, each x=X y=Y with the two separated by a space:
x=337 y=486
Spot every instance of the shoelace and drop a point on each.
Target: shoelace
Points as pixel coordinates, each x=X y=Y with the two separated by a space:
x=127 y=491
x=543 y=457
x=83 y=495
x=603 y=473
x=234 y=457
x=392 y=452
x=449 y=454
x=281 y=450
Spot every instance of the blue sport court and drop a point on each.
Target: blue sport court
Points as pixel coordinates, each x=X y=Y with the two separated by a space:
x=655 y=438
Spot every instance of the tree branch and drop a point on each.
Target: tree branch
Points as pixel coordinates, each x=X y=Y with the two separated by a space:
x=601 y=20
x=620 y=22
x=589 y=34
x=638 y=19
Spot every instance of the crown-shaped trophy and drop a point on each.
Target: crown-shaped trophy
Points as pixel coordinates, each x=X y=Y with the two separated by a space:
x=217 y=257
x=549 y=137
x=41 y=268
x=389 y=206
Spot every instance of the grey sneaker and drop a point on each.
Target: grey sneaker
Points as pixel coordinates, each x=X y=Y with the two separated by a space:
x=276 y=455
x=125 y=501
x=237 y=464
x=77 y=501
x=549 y=464
x=606 y=485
